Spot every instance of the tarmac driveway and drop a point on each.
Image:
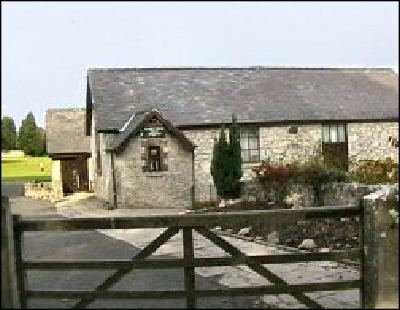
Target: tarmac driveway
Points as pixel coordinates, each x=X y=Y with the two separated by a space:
x=12 y=188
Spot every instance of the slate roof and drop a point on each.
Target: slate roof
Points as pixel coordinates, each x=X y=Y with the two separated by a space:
x=135 y=124
x=200 y=96
x=65 y=131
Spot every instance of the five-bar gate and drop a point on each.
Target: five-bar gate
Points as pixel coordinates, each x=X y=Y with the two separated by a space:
x=186 y=223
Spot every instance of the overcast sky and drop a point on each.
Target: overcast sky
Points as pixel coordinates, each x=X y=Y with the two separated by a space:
x=48 y=46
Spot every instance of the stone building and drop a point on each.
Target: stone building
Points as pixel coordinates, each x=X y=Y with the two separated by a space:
x=69 y=149
x=152 y=129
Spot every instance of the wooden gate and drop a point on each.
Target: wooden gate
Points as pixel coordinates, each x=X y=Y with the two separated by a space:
x=186 y=223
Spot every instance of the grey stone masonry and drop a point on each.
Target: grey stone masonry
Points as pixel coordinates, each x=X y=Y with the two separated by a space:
x=204 y=141
x=381 y=249
x=334 y=194
x=370 y=141
x=280 y=145
x=154 y=189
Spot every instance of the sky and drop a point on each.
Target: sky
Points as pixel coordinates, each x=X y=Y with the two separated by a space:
x=47 y=47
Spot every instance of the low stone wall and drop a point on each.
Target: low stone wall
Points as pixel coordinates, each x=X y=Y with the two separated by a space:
x=13 y=153
x=339 y=194
x=333 y=194
x=44 y=190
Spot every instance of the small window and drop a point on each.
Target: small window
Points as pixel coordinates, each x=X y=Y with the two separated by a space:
x=334 y=133
x=154 y=158
x=250 y=144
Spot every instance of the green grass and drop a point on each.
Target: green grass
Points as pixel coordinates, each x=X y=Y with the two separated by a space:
x=25 y=168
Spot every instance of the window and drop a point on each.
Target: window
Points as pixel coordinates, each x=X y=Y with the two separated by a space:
x=154 y=158
x=334 y=133
x=334 y=145
x=250 y=144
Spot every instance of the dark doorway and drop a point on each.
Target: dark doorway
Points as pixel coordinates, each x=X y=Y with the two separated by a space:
x=336 y=155
x=335 y=146
x=74 y=175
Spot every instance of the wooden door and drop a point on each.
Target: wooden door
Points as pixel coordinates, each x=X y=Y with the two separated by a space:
x=74 y=175
x=336 y=155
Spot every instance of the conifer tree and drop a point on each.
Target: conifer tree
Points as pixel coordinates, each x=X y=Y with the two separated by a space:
x=234 y=160
x=218 y=163
x=29 y=137
x=226 y=163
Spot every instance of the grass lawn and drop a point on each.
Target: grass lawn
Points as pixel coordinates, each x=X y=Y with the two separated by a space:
x=25 y=168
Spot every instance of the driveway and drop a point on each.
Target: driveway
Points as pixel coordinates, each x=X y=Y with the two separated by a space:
x=97 y=245
x=12 y=188
x=28 y=207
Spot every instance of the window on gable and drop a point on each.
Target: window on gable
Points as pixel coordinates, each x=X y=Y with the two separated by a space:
x=334 y=145
x=250 y=144
x=154 y=158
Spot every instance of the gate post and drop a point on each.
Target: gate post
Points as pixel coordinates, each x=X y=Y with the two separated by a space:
x=9 y=292
x=381 y=250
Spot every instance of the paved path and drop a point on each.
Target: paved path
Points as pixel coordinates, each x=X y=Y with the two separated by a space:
x=127 y=242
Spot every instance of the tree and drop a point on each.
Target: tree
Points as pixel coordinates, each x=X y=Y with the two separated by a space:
x=41 y=145
x=8 y=133
x=29 y=137
x=218 y=163
x=226 y=163
x=234 y=160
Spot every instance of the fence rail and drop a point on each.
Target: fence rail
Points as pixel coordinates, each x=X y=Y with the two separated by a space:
x=188 y=220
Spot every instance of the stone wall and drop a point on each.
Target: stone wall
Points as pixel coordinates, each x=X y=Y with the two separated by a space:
x=102 y=178
x=204 y=141
x=56 y=178
x=158 y=189
x=370 y=141
x=336 y=194
x=281 y=146
x=12 y=153
x=44 y=190
x=333 y=194
x=276 y=143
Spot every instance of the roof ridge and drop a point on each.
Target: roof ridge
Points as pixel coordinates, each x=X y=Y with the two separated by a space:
x=66 y=109
x=144 y=68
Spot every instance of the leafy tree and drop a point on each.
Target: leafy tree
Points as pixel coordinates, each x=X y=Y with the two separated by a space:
x=29 y=137
x=226 y=163
x=8 y=133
